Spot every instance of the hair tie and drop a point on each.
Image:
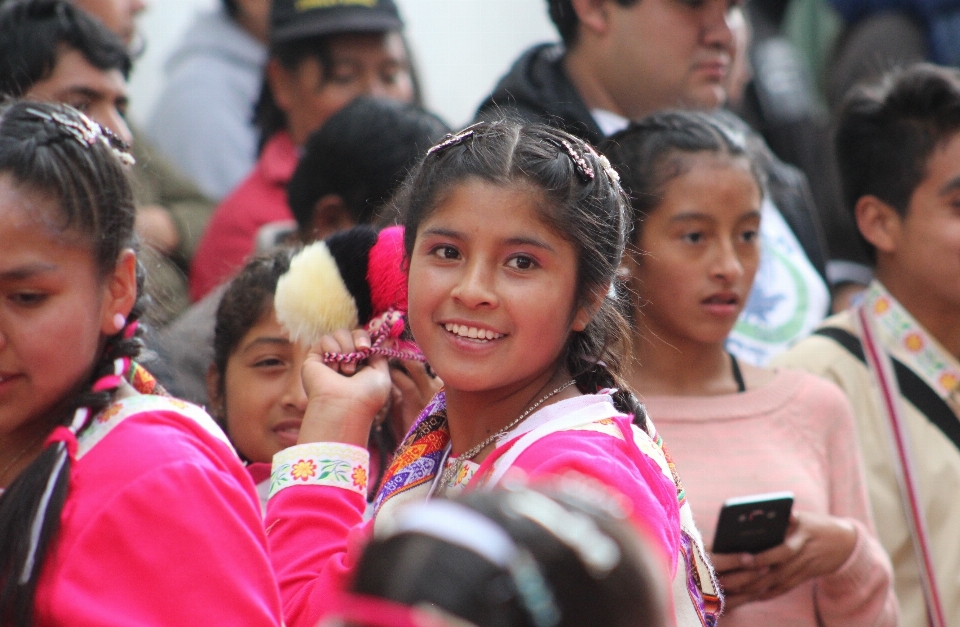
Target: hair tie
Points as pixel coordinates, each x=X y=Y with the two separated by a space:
x=109 y=382
x=65 y=435
x=130 y=330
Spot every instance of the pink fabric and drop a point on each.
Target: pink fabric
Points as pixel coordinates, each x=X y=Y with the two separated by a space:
x=385 y=272
x=316 y=533
x=161 y=527
x=616 y=463
x=231 y=234
x=796 y=433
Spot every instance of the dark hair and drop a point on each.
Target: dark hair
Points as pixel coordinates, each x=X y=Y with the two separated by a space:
x=595 y=572
x=651 y=152
x=590 y=212
x=268 y=117
x=886 y=133
x=361 y=154
x=248 y=298
x=564 y=17
x=45 y=155
x=32 y=32
x=231 y=7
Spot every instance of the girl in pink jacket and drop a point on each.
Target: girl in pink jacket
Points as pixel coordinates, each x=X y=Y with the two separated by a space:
x=513 y=237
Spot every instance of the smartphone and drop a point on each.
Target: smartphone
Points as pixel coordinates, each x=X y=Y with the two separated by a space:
x=752 y=524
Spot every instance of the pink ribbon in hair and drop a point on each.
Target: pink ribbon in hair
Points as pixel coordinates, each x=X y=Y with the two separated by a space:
x=65 y=435
x=383 y=328
x=130 y=330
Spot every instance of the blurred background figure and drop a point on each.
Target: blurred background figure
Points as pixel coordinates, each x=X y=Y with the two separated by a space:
x=52 y=51
x=349 y=170
x=204 y=114
x=321 y=58
x=561 y=555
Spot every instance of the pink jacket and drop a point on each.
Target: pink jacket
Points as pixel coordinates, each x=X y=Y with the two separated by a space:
x=161 y=527
x=316 y=532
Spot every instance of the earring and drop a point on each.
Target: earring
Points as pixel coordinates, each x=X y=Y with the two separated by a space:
x=119 y=321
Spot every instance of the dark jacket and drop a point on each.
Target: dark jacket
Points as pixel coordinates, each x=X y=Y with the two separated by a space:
x=537 y=89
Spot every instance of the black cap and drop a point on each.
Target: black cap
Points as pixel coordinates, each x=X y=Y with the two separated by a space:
x=298 y=19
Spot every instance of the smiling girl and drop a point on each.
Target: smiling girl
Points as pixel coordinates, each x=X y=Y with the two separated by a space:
x=106 y=484
x=736 y=430
x=513 y=238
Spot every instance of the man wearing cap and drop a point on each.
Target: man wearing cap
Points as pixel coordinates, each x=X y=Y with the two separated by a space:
x=323 y=54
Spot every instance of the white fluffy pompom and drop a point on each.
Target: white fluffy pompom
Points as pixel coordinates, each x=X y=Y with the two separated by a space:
x=312 y=299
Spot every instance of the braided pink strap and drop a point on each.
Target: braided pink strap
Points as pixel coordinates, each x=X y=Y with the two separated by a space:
x=386 y=327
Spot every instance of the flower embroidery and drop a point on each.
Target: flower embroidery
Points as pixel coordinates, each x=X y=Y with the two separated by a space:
x=464 y=475
x=949 y=381
x=913 y=342
x=304 y=469
x=359 y=476
x=111 y=411
x=881 y=306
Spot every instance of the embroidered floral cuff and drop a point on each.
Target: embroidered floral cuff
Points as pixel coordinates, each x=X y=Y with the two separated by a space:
x=321 y=463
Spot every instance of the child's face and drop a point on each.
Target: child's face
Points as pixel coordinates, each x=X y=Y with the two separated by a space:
x=925 y=243
x=264 y=399
x=700 y=251
x=491 y=297
x=54 y=311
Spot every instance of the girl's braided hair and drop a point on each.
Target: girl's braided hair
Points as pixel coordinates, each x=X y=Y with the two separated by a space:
x=55 y=150
x=586 y=206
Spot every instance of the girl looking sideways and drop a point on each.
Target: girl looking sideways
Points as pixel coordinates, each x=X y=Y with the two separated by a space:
x=106 y=483
x=736 y=430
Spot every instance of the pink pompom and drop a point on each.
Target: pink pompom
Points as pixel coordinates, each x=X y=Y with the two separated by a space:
x=385 y=273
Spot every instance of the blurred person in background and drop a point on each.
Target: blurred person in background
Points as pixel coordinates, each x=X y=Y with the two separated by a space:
x=50 y=50
x=623 y=59
x=560 y=554
x=349 y=170
x=321 y=58
x=203 y=119
x=896 y=355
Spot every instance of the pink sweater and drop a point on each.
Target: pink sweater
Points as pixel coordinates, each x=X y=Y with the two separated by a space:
x=796 y=433
x=161 y=527
x=316 y=532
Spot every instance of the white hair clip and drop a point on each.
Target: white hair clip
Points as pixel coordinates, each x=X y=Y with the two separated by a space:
x=86 y=132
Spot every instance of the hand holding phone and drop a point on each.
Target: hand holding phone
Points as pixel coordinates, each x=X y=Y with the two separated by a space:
x=753 y=524
x=815 y=545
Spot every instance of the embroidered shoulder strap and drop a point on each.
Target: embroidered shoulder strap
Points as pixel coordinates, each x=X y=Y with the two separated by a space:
x=912 y=387
x=883 y=369
x=112 y=416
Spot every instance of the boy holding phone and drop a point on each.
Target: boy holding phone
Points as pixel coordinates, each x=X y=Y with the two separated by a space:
x=896 y=354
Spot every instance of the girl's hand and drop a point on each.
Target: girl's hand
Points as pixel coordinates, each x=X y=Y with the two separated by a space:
x=413 y=388
x=815 y=545
x=342 y=399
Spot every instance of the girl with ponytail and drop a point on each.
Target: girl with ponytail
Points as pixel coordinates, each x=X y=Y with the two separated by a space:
x=119 y=505
x=737 y=430
x=513 y=238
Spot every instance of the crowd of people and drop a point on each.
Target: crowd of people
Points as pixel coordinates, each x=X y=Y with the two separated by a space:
x=299 y=353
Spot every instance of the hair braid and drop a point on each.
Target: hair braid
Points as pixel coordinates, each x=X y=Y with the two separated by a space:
x=53 y=149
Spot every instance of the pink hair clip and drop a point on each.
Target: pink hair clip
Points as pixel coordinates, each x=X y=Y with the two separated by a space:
x=455 y=138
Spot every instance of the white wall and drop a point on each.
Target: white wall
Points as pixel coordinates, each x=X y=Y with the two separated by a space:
x=461 y=47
